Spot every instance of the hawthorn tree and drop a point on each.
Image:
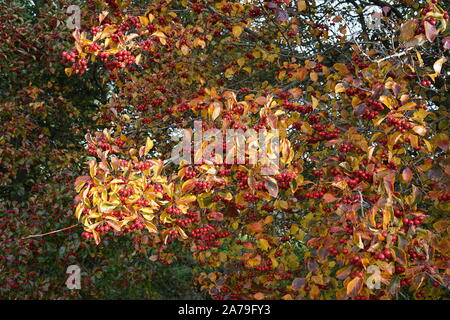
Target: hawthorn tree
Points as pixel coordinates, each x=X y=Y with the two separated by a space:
x=351 y=205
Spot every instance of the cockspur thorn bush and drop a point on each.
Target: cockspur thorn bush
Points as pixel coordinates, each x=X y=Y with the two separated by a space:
x=351 y=203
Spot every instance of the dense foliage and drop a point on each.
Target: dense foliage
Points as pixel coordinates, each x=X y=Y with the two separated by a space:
x=354 y=207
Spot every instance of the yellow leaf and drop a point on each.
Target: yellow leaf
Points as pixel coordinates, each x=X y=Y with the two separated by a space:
x=241 y=61
x=301 y=4
x=229 y=73
x=261 y=100
x=438 y=65
x=315 y=102
x=150 y=226
x=79 y=210
x=186 y=199
x=148 y=145
x=268 y=220
x=264 y=244
x=138 y=58
x=216 y=108
x=185 y=49
x=143 y=21
x=237 y=30
x=161 y=36
x=386 y=101
x=339 y=88
x=255 y=261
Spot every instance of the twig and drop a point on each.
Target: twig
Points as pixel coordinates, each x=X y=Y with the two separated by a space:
x=51 y=232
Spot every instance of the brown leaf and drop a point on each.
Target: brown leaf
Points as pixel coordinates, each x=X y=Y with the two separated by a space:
x=297 y=283
x=430 y=31
x=343 y=273
x=271 y=186
x=407 y=30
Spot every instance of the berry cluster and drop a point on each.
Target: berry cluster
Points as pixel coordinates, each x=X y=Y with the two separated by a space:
x=250 y=197
x=425 y=82
x=143 y=202
x=242 y=180
x=125 y=56
x=315 y=195
x=296 y=107
x=224 y=172
x=352 y=199
x=143 y=165
x=401 y=125
x=418 y=220
x=385 y=255
x=201 y=186
x=352 y=92
x=190 y=173
x=284 y=179
x=364 y=175
x=69 y=57
x=318 y=67
x=142 y=107
x=174 y=210
x=94 y=47
x=318 y=173
x=80 y=66
x=346 y=147
x=374 y=108
x=260 y=185
x=95 y=30
x=413 y=255
x=126 y=192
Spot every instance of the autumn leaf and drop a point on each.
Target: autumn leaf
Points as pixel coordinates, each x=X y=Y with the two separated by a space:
x=237 y=30
x=407 y=30
x=354 y=287
x=301 y=4
x=430 y=31
x=407 y=175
